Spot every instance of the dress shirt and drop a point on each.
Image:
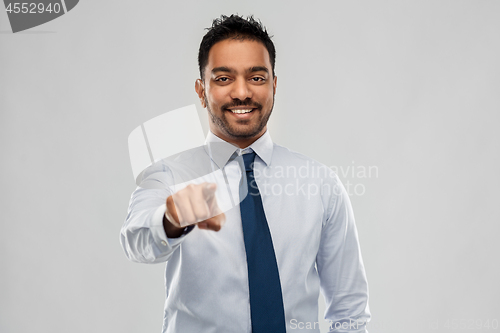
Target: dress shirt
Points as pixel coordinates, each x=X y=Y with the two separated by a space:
x=206 y=279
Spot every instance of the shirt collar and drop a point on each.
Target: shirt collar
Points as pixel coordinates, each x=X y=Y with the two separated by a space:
x=221 y=151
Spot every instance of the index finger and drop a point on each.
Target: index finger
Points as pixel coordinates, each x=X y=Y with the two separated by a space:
x=209 y=190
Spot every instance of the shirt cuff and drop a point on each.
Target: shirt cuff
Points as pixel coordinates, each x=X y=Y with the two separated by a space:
x=159 y=234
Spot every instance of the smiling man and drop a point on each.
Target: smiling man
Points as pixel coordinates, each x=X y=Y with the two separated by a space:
x=238 y=88
x=257 y=266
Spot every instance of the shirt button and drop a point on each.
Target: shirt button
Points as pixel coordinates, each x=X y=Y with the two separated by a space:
x=163 y=243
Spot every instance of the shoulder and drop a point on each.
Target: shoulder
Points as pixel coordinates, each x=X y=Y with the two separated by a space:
x=179 y=166
x=319 y=181
x=309 y=167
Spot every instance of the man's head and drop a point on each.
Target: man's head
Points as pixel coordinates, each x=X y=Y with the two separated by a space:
x=237 y=85
x=238 y=28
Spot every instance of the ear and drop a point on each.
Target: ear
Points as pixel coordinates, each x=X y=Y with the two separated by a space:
x=275 y=83
x=199 y=87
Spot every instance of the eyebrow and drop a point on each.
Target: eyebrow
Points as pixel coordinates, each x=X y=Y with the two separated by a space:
x=222 y=69
x=259 y=69
x=230 y=70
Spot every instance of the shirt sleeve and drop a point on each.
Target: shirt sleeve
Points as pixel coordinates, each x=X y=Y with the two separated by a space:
x=340 y=267
x=142 y=235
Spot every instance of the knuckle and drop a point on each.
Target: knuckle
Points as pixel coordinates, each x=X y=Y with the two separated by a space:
x=191 y=187
x=179 y=196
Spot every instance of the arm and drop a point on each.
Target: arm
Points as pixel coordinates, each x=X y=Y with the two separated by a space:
x=143 y=236
x=147 y=235
x=340 y=267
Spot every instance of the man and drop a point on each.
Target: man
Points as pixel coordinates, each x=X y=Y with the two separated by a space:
x=275 y=247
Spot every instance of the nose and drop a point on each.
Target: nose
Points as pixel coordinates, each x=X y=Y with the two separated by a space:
x=241 y=89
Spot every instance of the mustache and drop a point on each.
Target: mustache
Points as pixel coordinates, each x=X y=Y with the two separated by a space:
x=246 y=102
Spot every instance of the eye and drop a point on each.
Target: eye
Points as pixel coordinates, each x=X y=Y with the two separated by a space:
x=222 y=79
x=258 y=79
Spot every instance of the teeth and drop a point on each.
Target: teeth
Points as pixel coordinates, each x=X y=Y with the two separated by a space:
x=241 y=111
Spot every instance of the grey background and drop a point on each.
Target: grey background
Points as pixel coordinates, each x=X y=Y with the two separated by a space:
x=411 y=87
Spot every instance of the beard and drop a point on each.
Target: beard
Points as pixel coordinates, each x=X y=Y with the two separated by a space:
x=237 y=132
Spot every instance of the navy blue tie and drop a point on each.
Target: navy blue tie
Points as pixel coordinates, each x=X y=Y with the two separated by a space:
x=266 y=300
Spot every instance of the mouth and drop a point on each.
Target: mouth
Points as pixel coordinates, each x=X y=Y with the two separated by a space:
x=241 y=110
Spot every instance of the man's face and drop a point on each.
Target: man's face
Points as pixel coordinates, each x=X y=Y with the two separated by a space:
x=238 y=90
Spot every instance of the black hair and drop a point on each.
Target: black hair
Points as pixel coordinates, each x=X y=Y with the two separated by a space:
x=234 y=27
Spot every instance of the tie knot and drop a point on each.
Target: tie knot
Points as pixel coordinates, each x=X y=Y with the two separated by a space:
x=248 y=160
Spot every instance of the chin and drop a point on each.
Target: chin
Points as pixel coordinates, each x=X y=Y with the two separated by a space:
x=244 y=134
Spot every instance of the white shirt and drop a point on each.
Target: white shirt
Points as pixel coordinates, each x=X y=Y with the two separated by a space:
x=312 y=227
